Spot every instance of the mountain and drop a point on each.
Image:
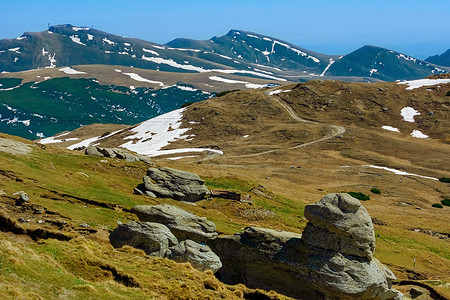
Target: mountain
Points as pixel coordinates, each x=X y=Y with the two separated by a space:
x=443 y=59
x=237 y=52
x=384 y=64
x=256 y=49
x=38 y=109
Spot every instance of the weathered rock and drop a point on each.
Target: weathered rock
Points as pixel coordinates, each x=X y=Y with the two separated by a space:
x=183 y=224
x=92 y=150
x=137 y=191
x=340 y=223
x=198 y=255
x=2 y=193
x=115 y=153
x=176 y=184
x=155 y=239
x=331 y=260
x=23 y=198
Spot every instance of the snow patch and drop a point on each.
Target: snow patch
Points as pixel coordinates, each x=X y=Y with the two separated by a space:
x=418 y=134
x=408 y=114
x=90 y=37
x=278 y=91
x=183 y=49
x=153 y=135
x=398 y=172
x=390 y=128
x=158 y=47
x=76 y=39
x=226 y=80
x=373 y=71
x=414 y=84
x=330 y=62
x=108 y=41
x=150 y=51
x=80 y=28
x=71 y=71
x=21 y=38
x=16 y=50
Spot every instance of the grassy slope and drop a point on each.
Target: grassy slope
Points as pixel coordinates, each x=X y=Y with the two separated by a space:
x=84 y=267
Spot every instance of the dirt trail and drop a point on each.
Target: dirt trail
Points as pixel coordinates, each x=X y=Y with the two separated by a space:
x=335 y=130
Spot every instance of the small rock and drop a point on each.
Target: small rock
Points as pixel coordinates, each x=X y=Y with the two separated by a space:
x=150 y=194
x=415 y=292
x=40 y=221
x=38 y=211
x=431 y=113
x=21 y=220
x=84 y=225
x=2 y=193
x=23 y=198
x=380 y=90
x=385 y=109
x=83 y=174
x=137 y=191
x=119 y=222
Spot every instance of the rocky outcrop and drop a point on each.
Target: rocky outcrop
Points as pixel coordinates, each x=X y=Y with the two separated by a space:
x=340 y=223
x=333 y=259
x=115 y=153
x=198 y=255
x=160 y=229
x=155 y=239
x=176 y=184
x=183 y=224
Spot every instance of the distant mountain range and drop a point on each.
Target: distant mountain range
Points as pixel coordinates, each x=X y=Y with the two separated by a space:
x=237 y=52
x=443 y=59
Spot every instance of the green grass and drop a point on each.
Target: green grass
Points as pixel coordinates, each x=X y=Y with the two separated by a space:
x=444 y=179
x=375 y=191
x=446 y=202
x=359 y=195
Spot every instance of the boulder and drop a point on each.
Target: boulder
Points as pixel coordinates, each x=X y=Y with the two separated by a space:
x=198 y=255
x=23 y=198
x=340 y=223
x=332 y=259
x=115 y=153
x=92 y=150
x=183 y=224
x=176 y=184
x=155 y=239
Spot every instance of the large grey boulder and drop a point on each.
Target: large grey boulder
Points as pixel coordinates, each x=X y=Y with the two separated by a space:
x=92 y=150
x=155 y=239
x=176 y=184
x=115 y=153
x=332 y=259
x=340 y=223
x=183 y=224
x=198 y=255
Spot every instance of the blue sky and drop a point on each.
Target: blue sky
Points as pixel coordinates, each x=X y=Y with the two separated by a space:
x=418 y=28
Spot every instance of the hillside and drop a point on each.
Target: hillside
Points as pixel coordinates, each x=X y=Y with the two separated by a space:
x=285 y=146
x=442 y=59
x=384 y=64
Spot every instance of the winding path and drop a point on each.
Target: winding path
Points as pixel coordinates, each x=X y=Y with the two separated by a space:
x=335 y=129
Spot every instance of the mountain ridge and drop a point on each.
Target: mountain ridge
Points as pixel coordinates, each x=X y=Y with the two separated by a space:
x=236 y=52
